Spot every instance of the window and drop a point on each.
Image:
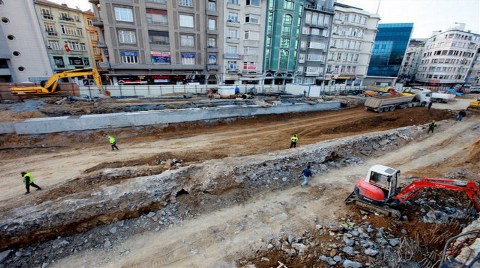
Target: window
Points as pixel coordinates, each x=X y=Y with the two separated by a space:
x=83 y=47
x=232 y=34
x=157 y=16
x=233 y=2
x=127 y=37
x=232 y=49
x=212 y=6
x=232 y=17
x=123 y=14
x=212 y=24
x=59 y=62
x=284 y=58
x=186 y=21
x=301 y=58
x=212 y=42
x=250 y=51
x=251 y=65
x=231 y=65
x=188 y=58
x=253 y=3
x=185 y=3
x=250 y=35
x=308 y=17
x=288 y=5
x=55 y=45
x=252 y=18
x=67 y=30
x=79 y=32
x=212 y=59
x=287 y=25
x=50 y=29
x=158 y=38
x=285 y=43
x=129 y=57
x=187 y=40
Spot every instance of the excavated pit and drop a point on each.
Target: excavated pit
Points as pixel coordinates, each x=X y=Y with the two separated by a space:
x=132 y=195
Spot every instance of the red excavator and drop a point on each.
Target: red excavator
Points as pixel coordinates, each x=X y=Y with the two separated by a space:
x=378 y=191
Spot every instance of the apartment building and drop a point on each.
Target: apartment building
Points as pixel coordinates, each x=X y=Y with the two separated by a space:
x=448 y=56
x=160 y=41
x=314 y=38
x=353 y=35
x=243 y=41
x=23 y=55
x=93 y=39
x=473 y=77
x=64 y=35
x=412 y=59
x=283 y=26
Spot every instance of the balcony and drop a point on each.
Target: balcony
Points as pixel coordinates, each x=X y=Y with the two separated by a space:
x=97 y=22
x=160 y=43
x=95 y=2
x=312 y=73
x=232 y=56
x=319 y=8
x=47 y=16
x=212 y=49
x=231 y=39
x=66 y=18
x=233 y=23
x=212 y=67
x=233 y=71
x=52 y=33
x=101 y=45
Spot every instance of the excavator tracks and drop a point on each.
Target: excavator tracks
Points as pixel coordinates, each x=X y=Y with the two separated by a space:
x=382 y=210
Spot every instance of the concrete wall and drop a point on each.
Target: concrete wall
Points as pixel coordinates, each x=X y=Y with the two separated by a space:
x=117 y=120
x=317 y=91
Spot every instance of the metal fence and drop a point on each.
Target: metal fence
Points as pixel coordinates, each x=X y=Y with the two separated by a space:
x=169 y=90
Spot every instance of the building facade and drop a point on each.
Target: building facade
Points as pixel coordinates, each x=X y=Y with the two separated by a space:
x=448 y=56
x=243 y=38
x=411 y=62
x=93 y=39
x=64 y=35
x=314 y=38
x=283 y=25
x=160 y=41
x=354 y=32
x=473 y=77
x=23 y=51
x=389 y=49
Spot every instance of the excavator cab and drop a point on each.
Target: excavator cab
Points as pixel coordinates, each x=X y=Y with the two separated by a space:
x=379 y=185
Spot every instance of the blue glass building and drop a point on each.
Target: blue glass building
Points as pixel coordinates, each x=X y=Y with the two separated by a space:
x=389 y=49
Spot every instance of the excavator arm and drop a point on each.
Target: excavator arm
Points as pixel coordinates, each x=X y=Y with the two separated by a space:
x=50 y=86
x=470 y=188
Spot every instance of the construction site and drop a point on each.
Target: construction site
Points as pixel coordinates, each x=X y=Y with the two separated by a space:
x=212 y=182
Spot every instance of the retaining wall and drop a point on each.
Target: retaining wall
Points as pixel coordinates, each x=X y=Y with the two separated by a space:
x=144 y=118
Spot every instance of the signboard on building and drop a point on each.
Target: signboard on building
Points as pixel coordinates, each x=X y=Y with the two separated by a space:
x=75 y=61
x=161 y=57
x=129 y=53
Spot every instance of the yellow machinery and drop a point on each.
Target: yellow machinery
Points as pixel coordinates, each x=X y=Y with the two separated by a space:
x=474 y=105
x=50 y=86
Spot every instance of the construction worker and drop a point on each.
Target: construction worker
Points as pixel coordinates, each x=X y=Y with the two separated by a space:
x=293 y=141
x=430 y=105
x=432 y=126
x=307 y=173
x=113 y=143
x=29 y=181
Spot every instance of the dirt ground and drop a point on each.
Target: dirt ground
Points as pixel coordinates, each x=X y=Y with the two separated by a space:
x=62 y=163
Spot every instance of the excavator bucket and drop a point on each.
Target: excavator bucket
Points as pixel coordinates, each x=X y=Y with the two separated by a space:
x=474 y=106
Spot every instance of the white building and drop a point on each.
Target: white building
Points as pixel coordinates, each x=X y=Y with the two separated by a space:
x=353 y=35
x=412 y=59
x=244 y=41
x=448 y=56
x=29 y=60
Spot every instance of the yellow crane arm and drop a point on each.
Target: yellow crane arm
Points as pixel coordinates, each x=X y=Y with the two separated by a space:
x=50 y=86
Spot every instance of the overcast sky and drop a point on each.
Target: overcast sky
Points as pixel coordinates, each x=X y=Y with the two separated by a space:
x=427 y=15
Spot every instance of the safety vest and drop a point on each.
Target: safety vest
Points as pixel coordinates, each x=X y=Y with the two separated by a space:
x=111 y=139
x=28 y=174
x=294 y=138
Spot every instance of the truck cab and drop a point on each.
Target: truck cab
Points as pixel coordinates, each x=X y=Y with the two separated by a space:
x=423 y=95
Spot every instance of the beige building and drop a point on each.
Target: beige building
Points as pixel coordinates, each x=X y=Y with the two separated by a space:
x=160 y=41
x=23 y=50
x=93 y=38
x=64 y=35
x=351 y=43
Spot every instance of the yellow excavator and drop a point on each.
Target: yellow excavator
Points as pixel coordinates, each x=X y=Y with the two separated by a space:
x=474 y=105
x=51 y=85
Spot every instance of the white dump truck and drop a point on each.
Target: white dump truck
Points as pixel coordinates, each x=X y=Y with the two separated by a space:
x=410 y=98
x=442 y=97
